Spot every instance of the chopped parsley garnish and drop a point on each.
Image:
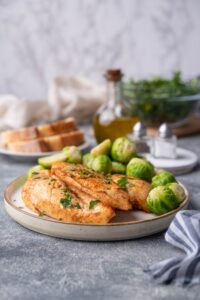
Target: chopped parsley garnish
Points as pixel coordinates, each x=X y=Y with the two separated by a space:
x=35 y=173
x=77 y=205
x=122 y=182
x=93 y=203
x=86 y=173
x=41 y=213
x=71 y=175
x=66 y=202
x=108 y=179
x=71 y=169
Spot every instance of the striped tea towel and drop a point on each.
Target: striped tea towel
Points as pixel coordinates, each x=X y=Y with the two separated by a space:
x=184 y=270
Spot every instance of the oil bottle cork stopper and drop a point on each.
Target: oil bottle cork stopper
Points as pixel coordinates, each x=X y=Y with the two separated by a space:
x=113 y=74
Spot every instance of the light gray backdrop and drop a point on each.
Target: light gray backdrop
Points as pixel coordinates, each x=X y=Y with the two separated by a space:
x=40 y=39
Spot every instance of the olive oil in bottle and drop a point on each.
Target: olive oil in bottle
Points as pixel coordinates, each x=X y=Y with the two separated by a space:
x=114 y=118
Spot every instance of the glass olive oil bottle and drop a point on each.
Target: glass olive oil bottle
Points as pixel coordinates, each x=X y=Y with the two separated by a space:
x=114 y=118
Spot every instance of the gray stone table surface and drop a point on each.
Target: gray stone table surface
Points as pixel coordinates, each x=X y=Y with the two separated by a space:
x=35 y=266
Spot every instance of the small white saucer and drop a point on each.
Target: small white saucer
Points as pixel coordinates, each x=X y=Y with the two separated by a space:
x=186 y=160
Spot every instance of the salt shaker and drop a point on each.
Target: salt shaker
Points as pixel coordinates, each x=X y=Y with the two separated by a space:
x=139 y=136
x=164 y=145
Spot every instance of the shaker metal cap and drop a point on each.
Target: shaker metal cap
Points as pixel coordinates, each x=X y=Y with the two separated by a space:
x=139 y=129
x=165 y=131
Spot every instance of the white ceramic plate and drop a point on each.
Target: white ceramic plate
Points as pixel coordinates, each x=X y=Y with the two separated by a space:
x=126 y=225
x=186 y=160
x=36 y=155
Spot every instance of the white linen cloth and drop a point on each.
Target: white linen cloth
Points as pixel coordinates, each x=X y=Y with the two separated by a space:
x=67 y=96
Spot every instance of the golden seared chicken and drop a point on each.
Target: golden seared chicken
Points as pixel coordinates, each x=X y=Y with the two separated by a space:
x=83 y=180
x=137 y=189
x=47 y=194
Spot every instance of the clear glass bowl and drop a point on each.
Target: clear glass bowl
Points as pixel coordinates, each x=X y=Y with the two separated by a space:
x=154 y=110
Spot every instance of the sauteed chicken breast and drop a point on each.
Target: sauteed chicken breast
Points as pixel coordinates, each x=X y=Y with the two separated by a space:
x=47 y=194
x=137 y=189
x=81 y=179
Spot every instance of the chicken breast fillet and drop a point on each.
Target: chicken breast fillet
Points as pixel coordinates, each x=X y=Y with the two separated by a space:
x=138 y=191
x=81 y=179
x=49 y=195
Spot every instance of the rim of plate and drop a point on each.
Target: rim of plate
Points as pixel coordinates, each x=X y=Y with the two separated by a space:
x=4 y=151
x=22 y=178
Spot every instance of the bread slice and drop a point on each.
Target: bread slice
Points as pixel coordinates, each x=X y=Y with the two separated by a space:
x=51 y=143
x=63 y=126
x=30 y=133
x=23 y=134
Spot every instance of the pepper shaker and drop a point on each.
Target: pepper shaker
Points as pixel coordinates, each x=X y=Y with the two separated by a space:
x=164 y=145
x=139 y=136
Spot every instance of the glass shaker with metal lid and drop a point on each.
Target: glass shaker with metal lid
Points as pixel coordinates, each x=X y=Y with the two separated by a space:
x=165 y=143
x=141 y=139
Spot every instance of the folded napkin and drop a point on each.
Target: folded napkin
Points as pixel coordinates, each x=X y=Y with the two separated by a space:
x=67 y=96
x=184 y=270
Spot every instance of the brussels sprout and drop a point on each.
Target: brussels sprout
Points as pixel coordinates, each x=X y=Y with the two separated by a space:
x=88 y=160
x=118 y=168
x=162 y=179
x=48 y=161
x=123 y=149
x=161 y=200
x=152 y=166
x=102 y=164
x=140 y=168
x=102 y=148
x=73 y=154
x=178 y=191
x=34 y=170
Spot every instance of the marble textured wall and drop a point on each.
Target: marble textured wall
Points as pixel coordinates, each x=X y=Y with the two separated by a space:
x=40 y=39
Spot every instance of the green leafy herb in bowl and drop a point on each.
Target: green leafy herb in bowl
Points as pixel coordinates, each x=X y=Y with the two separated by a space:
x=161 y=100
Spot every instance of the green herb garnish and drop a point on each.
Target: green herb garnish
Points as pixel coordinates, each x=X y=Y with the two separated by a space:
x=71 y=175
x=35 y=173
x=66 y=202
x=71 y=169
x=41 y=213
x=122 y=182
x=77 y=205
x=93 y=203
x=86 y=173
x=108 y=179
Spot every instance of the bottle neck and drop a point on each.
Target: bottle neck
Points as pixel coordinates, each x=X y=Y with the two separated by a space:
x=114 y=93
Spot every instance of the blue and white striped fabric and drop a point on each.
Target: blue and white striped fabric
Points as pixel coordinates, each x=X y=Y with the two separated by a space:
x=184 y=270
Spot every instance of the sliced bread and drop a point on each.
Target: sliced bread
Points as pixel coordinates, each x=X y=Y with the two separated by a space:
x=51 y=143
x=46 y=130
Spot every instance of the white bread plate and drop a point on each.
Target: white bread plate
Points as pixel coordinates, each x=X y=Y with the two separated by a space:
x=126 y=225
x=35 y=155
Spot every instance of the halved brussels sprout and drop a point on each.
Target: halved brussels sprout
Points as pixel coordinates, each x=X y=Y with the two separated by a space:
x=178 y=191
x=163 y=178
x=118 y=168
x=161 y=200
x=140 y=168
x=102 y=148
x=73 y=154
x=48 y=161
x=102 y=164
x=34 y=170
x=123 y=149
x=88 y=160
